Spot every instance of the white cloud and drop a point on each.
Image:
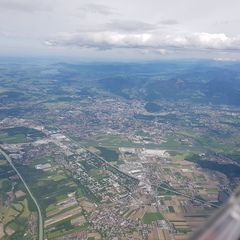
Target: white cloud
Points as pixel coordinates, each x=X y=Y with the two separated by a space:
x=224 y=59
x=160 y=51
x=123 y=26
x=147 y=40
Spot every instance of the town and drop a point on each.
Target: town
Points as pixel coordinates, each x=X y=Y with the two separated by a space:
x=107 y=167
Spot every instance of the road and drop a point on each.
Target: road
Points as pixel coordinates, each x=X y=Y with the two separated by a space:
x=98 y=156
x=188 y=196
x=40 y=219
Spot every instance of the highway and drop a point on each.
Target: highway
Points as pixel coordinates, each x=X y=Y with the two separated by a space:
x=40 y=219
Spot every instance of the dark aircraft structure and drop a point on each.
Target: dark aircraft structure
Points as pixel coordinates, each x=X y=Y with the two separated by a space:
x=225 y=224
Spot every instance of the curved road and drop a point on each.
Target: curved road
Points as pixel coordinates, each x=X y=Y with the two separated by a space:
x=40 y=219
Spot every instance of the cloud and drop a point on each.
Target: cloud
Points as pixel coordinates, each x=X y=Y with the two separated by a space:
x=97 y=9
x=103 y=40
x=224 y=59
x=169 y=22
x=160 y=51
x=130 y=26
x=7 y=34
x=24 y=5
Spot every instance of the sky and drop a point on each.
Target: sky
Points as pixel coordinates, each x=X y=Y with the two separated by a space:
x=121 y=29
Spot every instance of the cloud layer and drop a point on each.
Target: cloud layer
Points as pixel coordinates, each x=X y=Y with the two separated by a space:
x=146 y=28
x=103 y=40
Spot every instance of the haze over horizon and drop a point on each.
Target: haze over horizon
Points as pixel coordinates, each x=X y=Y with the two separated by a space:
x=121 y=29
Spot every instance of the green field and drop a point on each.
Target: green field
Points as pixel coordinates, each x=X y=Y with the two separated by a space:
x=108 y=154
x=150 y=217
x=171 y=209
x=19 y=135
x=14 y=215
